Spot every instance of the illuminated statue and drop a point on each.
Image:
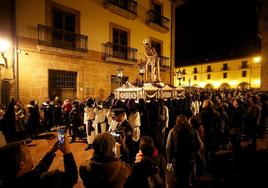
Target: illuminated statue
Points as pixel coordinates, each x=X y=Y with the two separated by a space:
x=152 y=61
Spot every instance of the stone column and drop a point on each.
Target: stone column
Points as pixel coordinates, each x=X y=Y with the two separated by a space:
x=263 y=29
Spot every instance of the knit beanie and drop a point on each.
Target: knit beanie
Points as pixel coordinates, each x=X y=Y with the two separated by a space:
x=103 y=146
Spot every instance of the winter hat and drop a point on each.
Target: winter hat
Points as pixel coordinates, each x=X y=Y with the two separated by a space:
x=103 y=146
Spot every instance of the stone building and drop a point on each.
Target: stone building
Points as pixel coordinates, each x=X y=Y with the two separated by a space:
x=243 y=73
x=77 y=48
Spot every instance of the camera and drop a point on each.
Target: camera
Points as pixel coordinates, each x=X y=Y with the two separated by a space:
x=61 y=136
x=117 y=135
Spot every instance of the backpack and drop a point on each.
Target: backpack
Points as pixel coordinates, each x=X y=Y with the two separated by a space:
x=155 y=180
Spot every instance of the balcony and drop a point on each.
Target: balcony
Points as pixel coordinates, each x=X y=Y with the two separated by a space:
x=49 y=36
x=157 y=22
x=225 y=69
x=118 y=53
x=124 y=8
x=243 y=67
x=164 y=63
x=209 y=70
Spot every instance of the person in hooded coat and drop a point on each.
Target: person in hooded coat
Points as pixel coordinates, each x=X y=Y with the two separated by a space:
x=104 y=169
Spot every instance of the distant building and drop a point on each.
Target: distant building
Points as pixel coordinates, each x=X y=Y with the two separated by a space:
x=75 y=48
x=232 y=73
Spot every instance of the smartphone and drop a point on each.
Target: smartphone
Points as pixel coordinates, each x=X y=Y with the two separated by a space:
x=115 y=134
x=61 y=136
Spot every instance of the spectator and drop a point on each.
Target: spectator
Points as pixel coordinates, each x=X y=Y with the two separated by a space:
x=236 y=123
x=182 y=145
x=103 y=169
x=66 y=109
x=33 y=119
x=149 y=167
x=17 y=167
x=75 y=120
x=123 y=125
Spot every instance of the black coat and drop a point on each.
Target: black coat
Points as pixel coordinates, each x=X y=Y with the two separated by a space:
x=39 y=177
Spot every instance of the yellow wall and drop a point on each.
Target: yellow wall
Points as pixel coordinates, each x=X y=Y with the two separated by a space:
x=234 y=74
x=93 y=72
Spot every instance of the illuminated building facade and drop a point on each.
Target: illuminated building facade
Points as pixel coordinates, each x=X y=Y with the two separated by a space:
x=232 y=73
x=79 y=49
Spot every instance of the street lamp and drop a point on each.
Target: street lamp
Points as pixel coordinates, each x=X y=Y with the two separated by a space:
x=141 y=70
x=4 y=45
x=179 y=73
x=119 y=73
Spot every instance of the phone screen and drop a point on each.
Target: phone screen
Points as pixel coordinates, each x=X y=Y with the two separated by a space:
x=61 y=136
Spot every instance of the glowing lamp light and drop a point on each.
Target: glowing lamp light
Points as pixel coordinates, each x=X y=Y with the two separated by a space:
x=216 y=84
x=257 y=59
x=257 y=82
x=4 y=45
x=233 y=83
x=202 y=84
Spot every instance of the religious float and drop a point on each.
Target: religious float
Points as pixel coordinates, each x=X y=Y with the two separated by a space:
x=152 y=88
x=148 y=91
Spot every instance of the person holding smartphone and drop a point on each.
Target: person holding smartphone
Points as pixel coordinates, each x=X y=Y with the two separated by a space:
x=17 y=167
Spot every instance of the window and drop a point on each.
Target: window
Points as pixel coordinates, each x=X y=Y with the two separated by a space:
x=195 y=77
x=225 y=67
x=209 y=76
x=225 y=75
x=183 y=71
x=209 y=68
x=183 y=78
x=157 y=10
x=195 y=70
x=120 y=43
x=62 y=84
x=244 y=73
x=65 y=23
x=244 y=64
x=157 y=45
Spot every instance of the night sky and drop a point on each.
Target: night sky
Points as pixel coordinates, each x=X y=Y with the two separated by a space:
x=209 y=30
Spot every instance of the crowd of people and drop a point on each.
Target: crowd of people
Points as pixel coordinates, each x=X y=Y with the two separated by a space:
x=136 y=143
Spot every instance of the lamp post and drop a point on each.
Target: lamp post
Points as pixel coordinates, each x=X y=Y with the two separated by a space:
x=179 y=73
x=4 y=45
x=119 y=73
x=142 y=71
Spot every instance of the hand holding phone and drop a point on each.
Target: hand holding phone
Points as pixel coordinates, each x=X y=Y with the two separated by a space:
x=61 y=136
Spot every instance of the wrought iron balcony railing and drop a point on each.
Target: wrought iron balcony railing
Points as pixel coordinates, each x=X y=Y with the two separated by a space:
x=243 y=67
x=120 y=52
x=209 y=70
x=154 y=17
x=50 y=36
x=164 y=62
x=128 y=5
x=225 y=69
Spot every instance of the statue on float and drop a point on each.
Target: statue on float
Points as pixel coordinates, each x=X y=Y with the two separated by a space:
x=152 y=63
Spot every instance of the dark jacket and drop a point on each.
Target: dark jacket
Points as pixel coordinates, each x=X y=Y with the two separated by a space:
x=183 y=143
x=126 y=128
x=141 y=171
x=112 y=174
x=74 y=117
x=39 y=177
